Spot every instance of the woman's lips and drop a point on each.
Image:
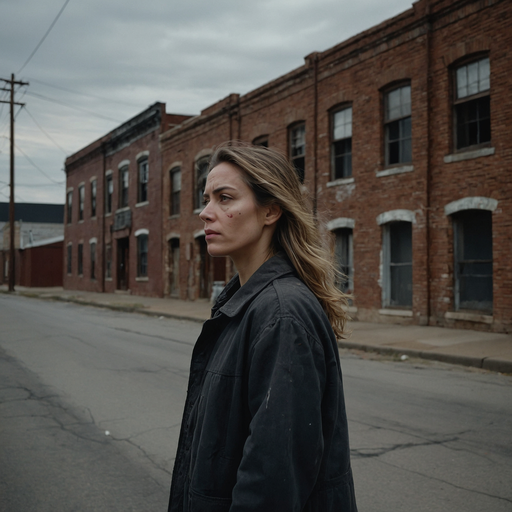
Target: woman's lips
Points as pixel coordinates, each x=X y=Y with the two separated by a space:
x=209 y=234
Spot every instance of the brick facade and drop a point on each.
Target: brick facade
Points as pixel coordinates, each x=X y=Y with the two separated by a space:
x=116 y=233
x=404 y=209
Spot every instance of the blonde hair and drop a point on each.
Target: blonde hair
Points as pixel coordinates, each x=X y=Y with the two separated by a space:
x=273 y=180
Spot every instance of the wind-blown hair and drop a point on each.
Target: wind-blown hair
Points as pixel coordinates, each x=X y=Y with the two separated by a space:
x=273 y=180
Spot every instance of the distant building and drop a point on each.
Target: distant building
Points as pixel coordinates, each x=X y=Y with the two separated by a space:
x=38 y=225
x=113 y=230
x=402 y=136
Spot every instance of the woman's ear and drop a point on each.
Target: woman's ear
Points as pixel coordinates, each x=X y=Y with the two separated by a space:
x=273 y=213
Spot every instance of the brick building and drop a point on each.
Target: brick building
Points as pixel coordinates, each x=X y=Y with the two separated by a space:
x=401 y=135
x=113 y=208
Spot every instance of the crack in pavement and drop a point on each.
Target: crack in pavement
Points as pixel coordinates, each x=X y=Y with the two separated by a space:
x=460 y=487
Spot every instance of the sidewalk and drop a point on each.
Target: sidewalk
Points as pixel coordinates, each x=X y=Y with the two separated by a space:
x=490 y=351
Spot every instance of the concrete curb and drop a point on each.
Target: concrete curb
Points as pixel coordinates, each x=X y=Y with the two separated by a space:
x=486 y=363
x=113 y=307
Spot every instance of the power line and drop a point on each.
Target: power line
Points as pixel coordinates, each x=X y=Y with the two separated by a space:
x=72 y=106
x=83 y=94
x=38 y=168
x=44 y=131
x=44 y=37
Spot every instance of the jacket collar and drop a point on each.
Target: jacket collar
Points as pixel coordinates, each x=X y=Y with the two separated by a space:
x=235 y=297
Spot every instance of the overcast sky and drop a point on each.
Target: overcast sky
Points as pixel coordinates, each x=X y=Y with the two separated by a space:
x=105 y=61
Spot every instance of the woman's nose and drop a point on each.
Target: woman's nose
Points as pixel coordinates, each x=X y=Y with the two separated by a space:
x=205 y=214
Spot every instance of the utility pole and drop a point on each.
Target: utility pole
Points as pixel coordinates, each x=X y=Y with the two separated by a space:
x=12 y=253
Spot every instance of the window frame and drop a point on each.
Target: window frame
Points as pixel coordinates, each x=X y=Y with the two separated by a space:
x=400 y=121
x=459 y=260
x=109 y=193
x=388 y=291
x=92 y=252
x=124 y=186
x=69 y=259
x=108 y=261
x=94 y=196
x=298 y=160
x=175 y=195
x=347 y=284
x=143 y=179
x=458 y=103
x=80 y=260
x=334 y=141
x=142 y=254
x=81 y=202
x=69 y=206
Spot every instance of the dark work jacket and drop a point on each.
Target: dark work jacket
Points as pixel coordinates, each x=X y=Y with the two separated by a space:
x=264 y=427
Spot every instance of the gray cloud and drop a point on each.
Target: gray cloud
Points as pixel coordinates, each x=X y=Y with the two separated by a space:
x=124 y=55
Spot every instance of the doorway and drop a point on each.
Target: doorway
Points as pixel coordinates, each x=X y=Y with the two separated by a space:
x=123 y=259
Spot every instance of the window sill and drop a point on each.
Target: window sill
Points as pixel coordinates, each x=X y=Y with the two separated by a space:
x=142 y=279
x=469 y=155
x=81 y=221
x=197 y=211
x=109 y=214
x=108 y=279
x=341 y=181
x=175 y=216
x=143 y=203
x=396 y=312
x=469 y=317
x=123 y=209
x=395 y=170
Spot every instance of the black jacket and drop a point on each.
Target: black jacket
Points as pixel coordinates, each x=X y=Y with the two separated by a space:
x=264 y=427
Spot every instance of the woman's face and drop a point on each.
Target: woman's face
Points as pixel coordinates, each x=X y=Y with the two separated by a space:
x=235 y=225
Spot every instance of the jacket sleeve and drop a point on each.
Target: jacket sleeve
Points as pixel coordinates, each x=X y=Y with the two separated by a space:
x=283 y=451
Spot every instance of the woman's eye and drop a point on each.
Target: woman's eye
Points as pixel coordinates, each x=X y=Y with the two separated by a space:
x=205 y=202
x=224 y=198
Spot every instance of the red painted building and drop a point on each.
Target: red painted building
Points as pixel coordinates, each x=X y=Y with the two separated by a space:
x=401 y=135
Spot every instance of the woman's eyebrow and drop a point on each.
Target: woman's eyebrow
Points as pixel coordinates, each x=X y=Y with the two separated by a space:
x=219 y=189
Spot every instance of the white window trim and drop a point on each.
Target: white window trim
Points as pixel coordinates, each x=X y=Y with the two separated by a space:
x=109 y=172
x=199 y=234
x=394 y=170
x=142 y=231
x=141 y=155
x=341 y=181
x=170 y=236
x=143 y=203
x=468 y=155
x=340 y=223
x=471 y=203
x=124 y=163
x=396 y=215
x=93 y=240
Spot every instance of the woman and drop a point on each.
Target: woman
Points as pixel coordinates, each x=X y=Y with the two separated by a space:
x=264 y=427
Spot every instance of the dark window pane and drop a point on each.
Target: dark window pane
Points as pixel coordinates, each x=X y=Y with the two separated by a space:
x=401 y=285
x=474 y=274
x=473 y=122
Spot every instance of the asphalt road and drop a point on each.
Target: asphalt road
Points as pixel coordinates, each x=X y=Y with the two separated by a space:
x=91 y=401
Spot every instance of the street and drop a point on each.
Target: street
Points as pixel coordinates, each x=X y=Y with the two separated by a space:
x=91 y=402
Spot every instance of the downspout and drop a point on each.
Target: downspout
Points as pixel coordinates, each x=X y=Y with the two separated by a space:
x=315 y=133
x=429 y=158
x=103 y=252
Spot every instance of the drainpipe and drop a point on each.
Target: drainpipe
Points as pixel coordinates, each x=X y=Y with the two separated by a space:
x=429 y=158
x=315 y=132
x=103 y=251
